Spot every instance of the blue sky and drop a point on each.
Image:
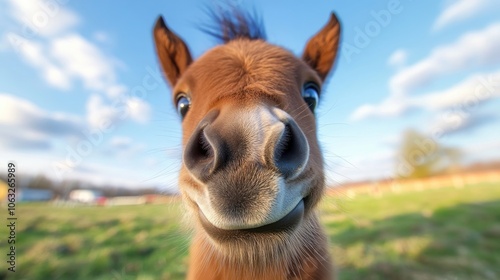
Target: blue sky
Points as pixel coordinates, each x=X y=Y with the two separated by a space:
x=68 y=66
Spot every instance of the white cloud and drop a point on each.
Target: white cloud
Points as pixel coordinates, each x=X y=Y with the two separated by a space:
x=116 y=91
x=44 y=18
x=391 y=107
x=100 y=113
x=460 y=10
x=138 y=109
x=24 y=125
x=84 y=61
x=464 y=96
x=22 y=113
x=479 y=48
x=453 y=122
x=43 y=34
x=23 y=140
x=35 y=54
x=470 y=92
x=398 y=58
x=73 y=58
x=65 y=58
x=53 y=47
x=474 y=49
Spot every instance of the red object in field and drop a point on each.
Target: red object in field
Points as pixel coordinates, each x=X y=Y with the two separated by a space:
x=101 y=201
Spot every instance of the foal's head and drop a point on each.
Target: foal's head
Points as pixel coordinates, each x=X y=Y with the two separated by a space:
x=252 y=170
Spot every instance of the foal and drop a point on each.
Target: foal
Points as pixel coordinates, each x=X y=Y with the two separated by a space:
x=252 y=171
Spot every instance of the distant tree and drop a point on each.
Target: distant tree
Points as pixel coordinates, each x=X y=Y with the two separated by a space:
x=41 y=182
x=421 y=156
x=66 y=186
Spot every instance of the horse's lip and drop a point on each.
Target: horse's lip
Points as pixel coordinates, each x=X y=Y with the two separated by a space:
x=284 y=224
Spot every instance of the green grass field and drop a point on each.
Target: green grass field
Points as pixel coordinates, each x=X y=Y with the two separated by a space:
x=443 y=233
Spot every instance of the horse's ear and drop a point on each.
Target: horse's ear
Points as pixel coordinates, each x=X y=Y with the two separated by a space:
x=321 y=50
x=171 y=50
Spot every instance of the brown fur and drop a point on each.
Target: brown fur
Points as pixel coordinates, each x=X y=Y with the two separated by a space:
x=241 y=74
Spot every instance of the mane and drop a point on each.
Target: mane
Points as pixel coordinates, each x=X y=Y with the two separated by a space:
x=231 y=24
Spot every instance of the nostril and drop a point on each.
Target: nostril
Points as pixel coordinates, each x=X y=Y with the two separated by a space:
x=199 y=154
x=283 y=149
x=202 y=149
x=291 y=151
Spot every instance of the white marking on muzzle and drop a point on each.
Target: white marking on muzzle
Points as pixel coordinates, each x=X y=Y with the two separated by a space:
x=259 y=124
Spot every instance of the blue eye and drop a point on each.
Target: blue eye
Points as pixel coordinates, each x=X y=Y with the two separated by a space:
x=183 y=104
x=311 y=95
